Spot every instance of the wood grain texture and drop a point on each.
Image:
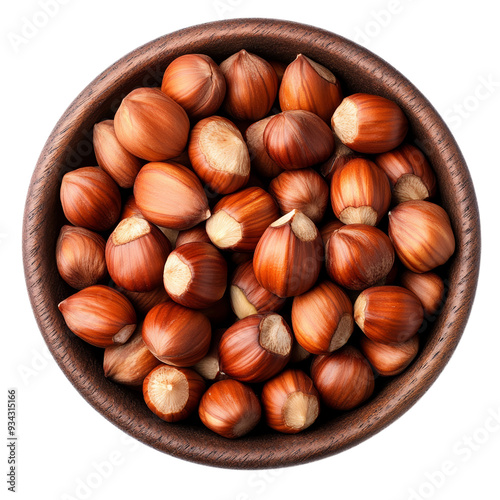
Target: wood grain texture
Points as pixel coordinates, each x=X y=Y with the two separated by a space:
x=69 y=146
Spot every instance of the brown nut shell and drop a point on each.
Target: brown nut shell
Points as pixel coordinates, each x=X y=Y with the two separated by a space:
x=112 y=157
x=195 y=275
x=360 y=192
x=369 y=123
x=428 y=287
x=289 y=255
x=359 y=256
x=322 y=318
x=186 y=204
x=310 y=86
x=290 y=402
x=239 y=220
x=151 y=125
x=252 y=86
x=99 y=315
x=90 y=198
x=344 y=378
x=176 y=335
x=390 y=314
x=173 y=393
x=230 y=408
x=298 y=139
x=195 y=82
x=255 y=348
x=136 y=252
x=80 y=256
x=421 y=234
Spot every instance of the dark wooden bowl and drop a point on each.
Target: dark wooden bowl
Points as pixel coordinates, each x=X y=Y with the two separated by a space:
x=69 y=146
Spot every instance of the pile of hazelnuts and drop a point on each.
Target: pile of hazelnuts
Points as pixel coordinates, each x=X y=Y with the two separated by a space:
x=253 y=245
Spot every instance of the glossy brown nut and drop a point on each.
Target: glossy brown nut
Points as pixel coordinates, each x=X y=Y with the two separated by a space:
x=369 y=123
x=195 y=82
x=252 y=86
x=99 y=315
x=195 y=275
x=239 y=220
x=389 y=314
x=310 y=86
x=173 y=393
x=298 y=139
x=176 y=335
x=186 y=204
x=151 y=125
x=289 y=255
x=302 y=189
x=421 y=234
x=90 y=198
x=136 y=252
x=255 y=348
x=230 y=409
x=360 y=192
x=344 y=378
x=112 y=157
x=359 y=256
x=428 y=287
x=322 y=318
x=80 y=256
x=290 y=402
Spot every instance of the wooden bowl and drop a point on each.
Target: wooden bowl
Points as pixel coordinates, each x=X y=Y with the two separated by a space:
x=70 y=146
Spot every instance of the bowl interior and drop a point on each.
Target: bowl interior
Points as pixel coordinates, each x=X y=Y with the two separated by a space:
x=70 y=146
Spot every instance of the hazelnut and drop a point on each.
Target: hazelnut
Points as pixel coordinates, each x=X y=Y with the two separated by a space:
x=289 y=255
x=290 y=402
x=230 y=408
x=151 y=125
x=196 y=83
x=99 y=315
x=255 y=348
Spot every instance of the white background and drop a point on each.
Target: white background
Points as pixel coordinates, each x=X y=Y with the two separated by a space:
x=450 y=53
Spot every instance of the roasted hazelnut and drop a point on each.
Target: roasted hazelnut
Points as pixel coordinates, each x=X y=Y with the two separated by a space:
x=298 y=139
x=360 y=192
x=390 y=314
x=252 y=86
x=409 y=173
x=289 y=255
x=359 y=256
x=186 y=204
x=302 y=189
x=136 y=252
x=421 y=234
x=112 y=157
x=255 y=348
x=129 y=363
x=230 y=409
x=239 y=220
x=248 y=297
x=90 y=198
x=369 y=123
x=196 y=83
x=176 y=335
x=80 y=257
x=219 y=154
x=344 y=378
x=322 y=318
x=99 y=315
x=310 y=86
x=151 y=125
x=290 y=402
x=389 y=359
x=173 y=393
x=195 y=275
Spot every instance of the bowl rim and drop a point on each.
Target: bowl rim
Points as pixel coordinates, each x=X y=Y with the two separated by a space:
x=348 y=429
